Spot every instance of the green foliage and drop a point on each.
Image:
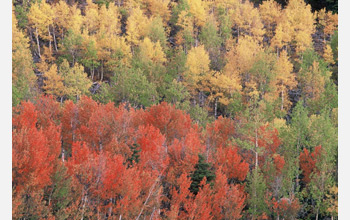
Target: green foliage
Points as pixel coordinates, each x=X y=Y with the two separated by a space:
x=71 y=47
x=131 y=86
x=21 y=15
x=135 y=157
x=256 y=189
x=202 y=169
x=61 y=196
x=334 y=46
x=156 y=31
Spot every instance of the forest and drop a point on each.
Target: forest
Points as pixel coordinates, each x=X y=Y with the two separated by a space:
x=175 y=109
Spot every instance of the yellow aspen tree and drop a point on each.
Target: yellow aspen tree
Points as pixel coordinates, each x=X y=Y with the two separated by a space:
x=328 y=22
x=270 y=13
x=241 y=58
x=152 y=52
x=112 y=50
x=198 y=10
x=297 y=21
x=136 y=26
x=76 y=81
x=91 y=18
x=191 y=21
x=121 y=52
x=221 y=88
x=23 y=77
x=131 y=4
x=40 y=18
x=61 y=20
x=246 y=19
x=76 y=19
x=159 y=8
x=332 y=201
x=109 y=19
x=331 y=23
x=186 y=34
x=103 y=44
x=46 y=60
x=282 y=37
x=285 y=79
x=197 y=72
x=53 y=82
x=312 y=82
x=328 y=54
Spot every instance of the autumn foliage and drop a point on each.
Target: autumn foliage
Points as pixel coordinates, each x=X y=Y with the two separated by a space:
x=120 y=162
x=174 y=109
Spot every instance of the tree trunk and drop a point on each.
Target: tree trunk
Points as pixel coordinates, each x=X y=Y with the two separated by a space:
x=37 y=41
x=256 y=149
x=50 y=38
x=63 y=155
x=216 y=107
x=282 y=99
x=102 y=72
x=92 y=72
x=54 y=38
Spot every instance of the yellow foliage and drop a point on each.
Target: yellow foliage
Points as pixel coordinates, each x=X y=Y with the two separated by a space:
x=136 y=26
x=198 y=11
x=328 y=21
x=312 y=82
x=285 y=78
x=40 y=17
x=67 y=17
x=197 y=65
x=297 y=25
x=247 y=20
x=159 y=7
x=76 y=81
x=328 y=54
x=109 y=19
x=152 y=51
x=241 y=58
x=76 y=19
x=279 y=123
x=62 y=16
x=91 y=18
x=53 y=84
x=222 y=87
x=45 y=60
x=270 y=13
x=22 y=64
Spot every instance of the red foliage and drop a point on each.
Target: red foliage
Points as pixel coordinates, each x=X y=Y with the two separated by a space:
x=268 y=139
x=172 y=123
x=49 y=111
x=70 y=123
x=34 y=151
x=181 y=198
x=232 y=163
x=308 y=162
x=286 y=208
x=279 y=163
x=183 y=154
x=153 y=152
x=220 y=131
x=101 y=139
x=228 y=200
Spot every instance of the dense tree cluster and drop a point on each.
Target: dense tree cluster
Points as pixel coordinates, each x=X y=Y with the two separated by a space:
x=166 y=109
x=93 y=160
